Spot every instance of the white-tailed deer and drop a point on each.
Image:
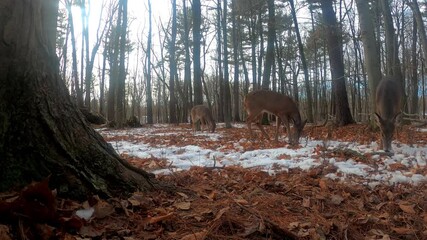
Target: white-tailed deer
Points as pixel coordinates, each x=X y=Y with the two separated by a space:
x=388 y=100
x=203 y=114
x=285 y=109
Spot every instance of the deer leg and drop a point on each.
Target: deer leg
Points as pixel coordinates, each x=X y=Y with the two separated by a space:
x=278 y=123
x=288 y=129
x=259 y=125
x=249 y=120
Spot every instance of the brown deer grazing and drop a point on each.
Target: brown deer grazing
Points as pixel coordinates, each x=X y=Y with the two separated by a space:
x=285 y=109
x=388 y=101
x=202 y=113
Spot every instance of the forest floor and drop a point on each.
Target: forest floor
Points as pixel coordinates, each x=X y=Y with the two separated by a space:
x=234 y=202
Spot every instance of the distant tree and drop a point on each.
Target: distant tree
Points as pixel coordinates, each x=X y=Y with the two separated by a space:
x=121 y=81
x=172 y=68
x=197 y=78
x=149 y=97
x=236 y=50
x=226 y=82
x=75 y=75
x=187 y=64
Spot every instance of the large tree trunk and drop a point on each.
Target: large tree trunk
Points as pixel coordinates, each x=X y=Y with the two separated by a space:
x=333 y=40
x=370 y=47
x=42 y=131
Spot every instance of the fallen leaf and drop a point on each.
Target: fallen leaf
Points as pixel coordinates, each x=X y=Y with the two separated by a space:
x=336 y=199
x=4 y=232
x=221 y=212
x=156 y=219
x=103 y=209
x=241 y=201
x=182 y=195
x=407 y=208
x=403 y=230
x=322 y=184
x=183 y=205
x=306 y=202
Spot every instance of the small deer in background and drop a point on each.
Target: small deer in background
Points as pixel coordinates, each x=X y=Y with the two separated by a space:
x=203 y=114
x=388 y=101
x=285 y=109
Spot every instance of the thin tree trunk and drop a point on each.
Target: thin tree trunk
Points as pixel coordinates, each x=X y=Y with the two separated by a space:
x=236 y=31
x=172 y=100
x=304 y=65
x=187 y=66
x=414 y=73
x=226 y=82
x=149 y=97
x=197 y=19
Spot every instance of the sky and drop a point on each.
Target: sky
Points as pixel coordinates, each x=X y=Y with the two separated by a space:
x=383 y=170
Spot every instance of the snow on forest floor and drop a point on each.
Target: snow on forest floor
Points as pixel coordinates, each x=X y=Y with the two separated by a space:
x=350 y=154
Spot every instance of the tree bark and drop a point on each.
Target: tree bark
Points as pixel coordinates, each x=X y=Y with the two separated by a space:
x=42 y=131
x=421 y=26
x=370 y=47
x=333 y=40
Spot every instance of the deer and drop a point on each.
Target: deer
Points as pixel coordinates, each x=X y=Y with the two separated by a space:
x=203 y=114
x=388 y=101
x=280 y=105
